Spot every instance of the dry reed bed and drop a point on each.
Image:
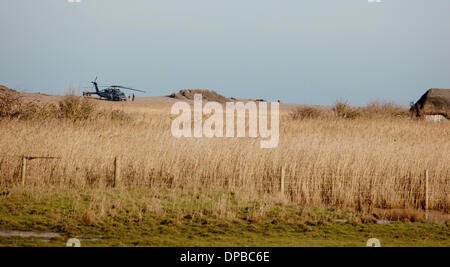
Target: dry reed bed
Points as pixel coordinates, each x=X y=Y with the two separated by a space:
x=359 y=164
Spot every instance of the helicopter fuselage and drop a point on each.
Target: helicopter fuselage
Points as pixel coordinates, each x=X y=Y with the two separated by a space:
x=109 y=94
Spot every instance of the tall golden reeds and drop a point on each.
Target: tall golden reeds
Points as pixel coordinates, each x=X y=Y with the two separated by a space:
x=329 y=161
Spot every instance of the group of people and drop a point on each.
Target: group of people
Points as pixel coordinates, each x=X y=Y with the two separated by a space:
x=131 y=97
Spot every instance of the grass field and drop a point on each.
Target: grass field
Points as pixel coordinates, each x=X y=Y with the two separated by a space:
x=361 y=165
x=145 y=217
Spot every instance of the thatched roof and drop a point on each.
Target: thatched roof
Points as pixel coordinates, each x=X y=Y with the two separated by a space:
x=433 y=102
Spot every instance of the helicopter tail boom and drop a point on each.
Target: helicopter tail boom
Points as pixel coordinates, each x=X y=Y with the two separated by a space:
x=95 y=85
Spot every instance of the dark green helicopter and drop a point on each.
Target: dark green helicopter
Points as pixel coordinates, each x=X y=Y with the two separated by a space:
x=111 y=93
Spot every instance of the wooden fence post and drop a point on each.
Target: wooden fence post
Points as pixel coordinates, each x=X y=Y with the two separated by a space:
x=426 y=193
x=116 y=172
x=24 y=170
x=283 y=174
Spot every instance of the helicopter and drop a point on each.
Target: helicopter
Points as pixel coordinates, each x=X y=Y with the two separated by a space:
x=110 y=93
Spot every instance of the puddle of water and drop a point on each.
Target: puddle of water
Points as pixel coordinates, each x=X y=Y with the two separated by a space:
x=384 y=222
x=378 y=222
x=92 y=239
x=42 y=236
x=29 y=234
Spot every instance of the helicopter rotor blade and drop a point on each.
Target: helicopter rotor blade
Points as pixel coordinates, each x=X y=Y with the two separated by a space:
x=127 y=88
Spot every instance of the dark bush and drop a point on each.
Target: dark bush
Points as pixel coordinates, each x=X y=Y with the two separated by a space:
x=343 y=110
x=75 y=108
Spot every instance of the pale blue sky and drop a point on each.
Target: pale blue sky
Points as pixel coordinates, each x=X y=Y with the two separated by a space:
x=299 y=51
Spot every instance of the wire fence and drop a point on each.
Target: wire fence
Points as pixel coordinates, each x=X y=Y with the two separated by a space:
x=422 y=190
